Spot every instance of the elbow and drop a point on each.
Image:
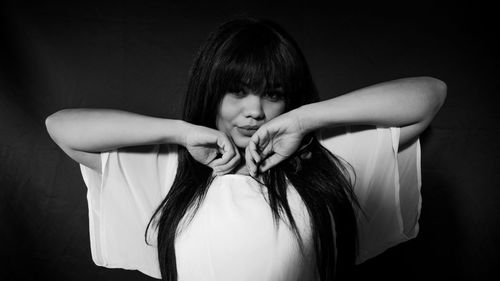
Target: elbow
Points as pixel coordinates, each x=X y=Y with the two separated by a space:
x=439 y=92
x=436 y=95
x=49 y=125
x=50 y=120
x=436 y=92
x=54 y=118
x=433 y=93
x=444 y=92
x=52 y=123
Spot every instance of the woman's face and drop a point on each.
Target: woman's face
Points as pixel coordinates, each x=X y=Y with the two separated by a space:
x=240 y=114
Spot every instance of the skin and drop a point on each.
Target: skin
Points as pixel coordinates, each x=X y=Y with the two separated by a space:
x=247 y=108
x=409 y=103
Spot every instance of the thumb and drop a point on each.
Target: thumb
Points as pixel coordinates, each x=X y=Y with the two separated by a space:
x=270 y=162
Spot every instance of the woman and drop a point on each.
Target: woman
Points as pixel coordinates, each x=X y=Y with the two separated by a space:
x=259 y=180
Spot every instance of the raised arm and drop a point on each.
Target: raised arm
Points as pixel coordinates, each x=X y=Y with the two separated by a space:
x=83 y=133
x=409 y=103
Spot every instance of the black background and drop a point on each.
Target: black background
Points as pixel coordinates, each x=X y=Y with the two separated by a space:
x=135 y=56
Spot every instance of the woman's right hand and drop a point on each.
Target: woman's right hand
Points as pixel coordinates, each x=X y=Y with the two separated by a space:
x=212 y=148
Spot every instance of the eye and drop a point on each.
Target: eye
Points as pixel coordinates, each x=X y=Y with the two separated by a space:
x=237 y=92
x=274 y=95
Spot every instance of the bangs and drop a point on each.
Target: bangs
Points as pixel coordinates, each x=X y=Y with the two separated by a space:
x=257 y=75
x=255 y=61
x=251 y=56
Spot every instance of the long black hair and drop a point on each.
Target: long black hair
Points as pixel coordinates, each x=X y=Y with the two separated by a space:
x=264 y=55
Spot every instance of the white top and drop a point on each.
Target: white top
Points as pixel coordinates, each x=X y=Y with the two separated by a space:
x=232 y=237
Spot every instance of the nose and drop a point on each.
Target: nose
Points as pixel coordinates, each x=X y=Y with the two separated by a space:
x=252 y=106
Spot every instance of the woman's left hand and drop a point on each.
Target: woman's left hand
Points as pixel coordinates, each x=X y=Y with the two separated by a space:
x=274 y=142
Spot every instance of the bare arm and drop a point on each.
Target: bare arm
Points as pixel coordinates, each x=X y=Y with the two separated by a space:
x=409 y=103
x=83 y=133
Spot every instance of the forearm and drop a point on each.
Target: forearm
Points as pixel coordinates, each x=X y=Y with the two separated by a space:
x=394 y=103
x=95 y=130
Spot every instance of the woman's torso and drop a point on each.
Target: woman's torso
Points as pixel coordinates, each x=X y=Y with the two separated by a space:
x=233 y=236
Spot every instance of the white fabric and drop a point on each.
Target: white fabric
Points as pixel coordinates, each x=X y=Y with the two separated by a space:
x=232 y=237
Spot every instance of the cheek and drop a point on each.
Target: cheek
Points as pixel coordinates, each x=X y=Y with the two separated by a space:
x=222 y=120
x=275 y=109
x=226 y=114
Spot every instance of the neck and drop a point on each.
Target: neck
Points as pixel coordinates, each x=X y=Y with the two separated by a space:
x=242 y=167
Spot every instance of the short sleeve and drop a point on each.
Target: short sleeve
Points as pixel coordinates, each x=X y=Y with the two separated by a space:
x=387 y=184
x=121 y=200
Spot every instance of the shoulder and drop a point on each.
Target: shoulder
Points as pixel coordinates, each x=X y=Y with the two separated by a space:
x=342 y=138
x=155 y=160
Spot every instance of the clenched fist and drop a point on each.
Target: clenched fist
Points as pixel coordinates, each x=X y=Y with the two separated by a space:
x=212 y=148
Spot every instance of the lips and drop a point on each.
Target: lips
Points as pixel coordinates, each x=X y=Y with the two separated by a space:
x=249 y=127
x=247 y=130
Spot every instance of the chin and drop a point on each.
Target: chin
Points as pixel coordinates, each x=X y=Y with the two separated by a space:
x=241 y=142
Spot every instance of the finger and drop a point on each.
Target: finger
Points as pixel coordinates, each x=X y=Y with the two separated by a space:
x=261 y=141
x=266 y=151
x=252 y=167
x=230 y=165
x=221 y=161
x=252 y=148
x=227 y=150
x=253 y=163
x=270 y=162
x=265 y=145
x=222 y=170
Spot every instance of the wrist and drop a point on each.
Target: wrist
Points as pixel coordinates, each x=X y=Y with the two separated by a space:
x=185 y=130
x=176 y=131
x=306 y=119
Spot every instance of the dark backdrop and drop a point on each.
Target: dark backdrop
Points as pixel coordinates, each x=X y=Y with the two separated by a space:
x=136 y=57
